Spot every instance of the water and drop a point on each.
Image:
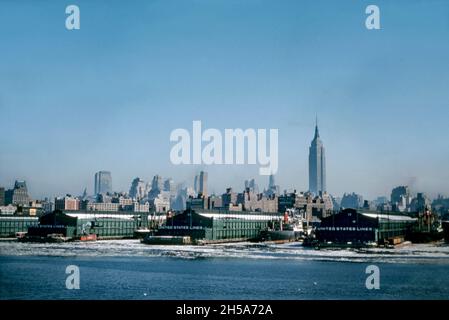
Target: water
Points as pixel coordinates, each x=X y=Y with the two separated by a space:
x=126 y=269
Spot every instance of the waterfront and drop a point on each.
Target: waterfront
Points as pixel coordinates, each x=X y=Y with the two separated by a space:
x=130 y=270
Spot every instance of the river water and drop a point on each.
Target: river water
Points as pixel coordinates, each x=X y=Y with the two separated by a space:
x=127 y=269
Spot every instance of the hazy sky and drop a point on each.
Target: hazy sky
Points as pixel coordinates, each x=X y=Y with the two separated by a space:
x=107 y=96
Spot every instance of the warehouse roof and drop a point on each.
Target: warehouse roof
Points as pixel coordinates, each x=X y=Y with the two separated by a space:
x=388 y=216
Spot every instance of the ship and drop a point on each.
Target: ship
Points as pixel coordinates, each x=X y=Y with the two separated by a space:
x=166 y=240
x=289 y=229
x=445 y=225
x=48 y=238
x=88 y=237
x=427 y=229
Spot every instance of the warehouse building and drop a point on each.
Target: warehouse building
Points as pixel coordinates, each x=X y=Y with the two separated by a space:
x=217 y=225
x=350 y=226
x=105 y=225
x=10 y=225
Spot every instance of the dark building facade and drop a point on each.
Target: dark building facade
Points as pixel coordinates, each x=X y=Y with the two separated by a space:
x=397 y=192
x=360 y=228
x=286 y=201
x=2 y=196
x=217 y=225
x=103 y=182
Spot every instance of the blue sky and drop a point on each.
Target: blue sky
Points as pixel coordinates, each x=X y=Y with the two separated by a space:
x=107 y=96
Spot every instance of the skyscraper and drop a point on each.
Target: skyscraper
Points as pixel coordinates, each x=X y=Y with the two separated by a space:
x=398 y=192
x=157 y=183
x=103 y=182
x=169 y=185
x=196 y=184
x=157 y=186
x=273 y=188
x=317 y=164
x=138 y=189
x=271 y=182
x=203 y=183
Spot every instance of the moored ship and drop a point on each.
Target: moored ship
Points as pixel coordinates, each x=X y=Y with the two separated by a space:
x=289 y=229
x=88 y=237
x=445 y=225
x=47 y=238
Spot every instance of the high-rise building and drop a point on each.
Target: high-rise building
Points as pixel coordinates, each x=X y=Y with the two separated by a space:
x=421 y=203
x=228 y=199
x=138 y=189
x=157 y=186
x=157 y=183
x=179 y=203
x=2 y=196
x=251 y=184
x=273 y=188
x=169 y=185
x=84 y=195
x=18 y=195
x=203 y=183
x=398 y=192
x=317 y=164
x=196 y=184
x=103 y=182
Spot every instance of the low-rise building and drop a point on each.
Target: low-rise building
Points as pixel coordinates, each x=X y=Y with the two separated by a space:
x=103 y=206
x=311 y=206
x=67 y=203
x=252 y=201
x=8 y=210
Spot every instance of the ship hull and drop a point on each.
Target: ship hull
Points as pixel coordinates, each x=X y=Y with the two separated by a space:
x=281 y=235
x=88 y=237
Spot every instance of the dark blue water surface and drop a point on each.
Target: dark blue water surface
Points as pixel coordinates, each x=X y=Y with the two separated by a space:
x=282 y=273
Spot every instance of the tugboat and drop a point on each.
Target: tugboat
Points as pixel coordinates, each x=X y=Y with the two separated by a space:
x=87 y=233
x=88 y=237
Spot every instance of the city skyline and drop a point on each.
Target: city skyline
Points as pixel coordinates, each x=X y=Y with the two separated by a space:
x=74 y=103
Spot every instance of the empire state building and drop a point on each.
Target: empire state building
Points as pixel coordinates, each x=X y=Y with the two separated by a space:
x=317 y=164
